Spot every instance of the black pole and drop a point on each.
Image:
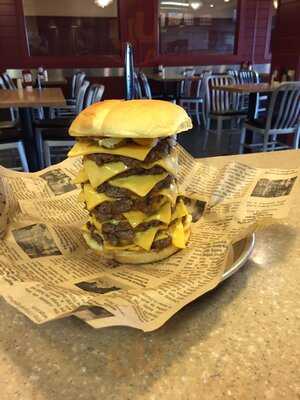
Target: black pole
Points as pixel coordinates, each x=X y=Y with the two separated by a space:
x=129 y=72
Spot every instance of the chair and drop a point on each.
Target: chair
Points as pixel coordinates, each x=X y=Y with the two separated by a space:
x=146 y=90
x=137 y=87
x=94 y=94
x=193 y=104
x=70 y=109
x=11 y=137
x=283 y=118
x=87 y=95
x=221 y=105
x=14 y=114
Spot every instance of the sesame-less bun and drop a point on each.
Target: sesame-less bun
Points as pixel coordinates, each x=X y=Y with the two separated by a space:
x=133 y=257
x=131 y=119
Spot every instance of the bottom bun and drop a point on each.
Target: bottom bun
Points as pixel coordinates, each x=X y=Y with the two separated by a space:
x=133 y=257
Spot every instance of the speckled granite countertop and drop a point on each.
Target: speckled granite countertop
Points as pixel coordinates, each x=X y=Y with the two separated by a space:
x=241 y=341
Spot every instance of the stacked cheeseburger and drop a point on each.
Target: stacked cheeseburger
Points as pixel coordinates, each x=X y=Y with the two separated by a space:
x=128 y=178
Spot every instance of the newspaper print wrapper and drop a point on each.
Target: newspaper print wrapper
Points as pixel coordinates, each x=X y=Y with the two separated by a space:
x=47 y=272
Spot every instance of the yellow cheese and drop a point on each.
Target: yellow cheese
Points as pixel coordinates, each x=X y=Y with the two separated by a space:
x=135 y=217
x=169 y=163
x=99 y=174
x=163 y=214
x=81 y=197
x=178 y=235
x=81 y=177
x=131 y=150
x=180 y=210
x=96 y=223
x=145 y=239
x=92 y=198
x=110 y=247
x=170 y=193
x=138 y=184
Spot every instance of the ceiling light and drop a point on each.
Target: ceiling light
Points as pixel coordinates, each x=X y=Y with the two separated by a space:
x=103 y=3
x=211 y=5
x=227 y=1
x=174 y=3
x=275 y=4
x=196 y=4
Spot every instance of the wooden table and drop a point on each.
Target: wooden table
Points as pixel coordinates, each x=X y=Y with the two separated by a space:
x=253 y=89
x=171 y=78
x=25 y=100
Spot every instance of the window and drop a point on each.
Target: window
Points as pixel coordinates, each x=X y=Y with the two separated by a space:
x=71 y=28
x=206 y=26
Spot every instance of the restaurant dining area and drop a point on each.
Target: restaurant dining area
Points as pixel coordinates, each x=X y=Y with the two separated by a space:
x=149 y=192
x=232 y=65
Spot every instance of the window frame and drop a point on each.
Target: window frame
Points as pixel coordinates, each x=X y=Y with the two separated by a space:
x=201 y=53
x=52 y=61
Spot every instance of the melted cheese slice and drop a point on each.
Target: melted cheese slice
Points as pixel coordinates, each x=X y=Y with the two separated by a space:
x=170 y=193
x=169 y=163
x=180 y=211
x=99 y=174
x=96 y=223
x=146 y=238
x=138 y=184
x=92 y=198
x=129 y=150
x=135 y=218
x=81 y=197
x=81 y=177
x=178 y=235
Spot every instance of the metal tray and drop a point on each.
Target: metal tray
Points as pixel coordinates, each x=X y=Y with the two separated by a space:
x=241 y=252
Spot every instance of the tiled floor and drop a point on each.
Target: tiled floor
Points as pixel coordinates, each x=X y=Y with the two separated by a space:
x=194 y=142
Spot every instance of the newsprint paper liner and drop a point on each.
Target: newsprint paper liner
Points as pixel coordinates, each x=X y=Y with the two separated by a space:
x=47 y=272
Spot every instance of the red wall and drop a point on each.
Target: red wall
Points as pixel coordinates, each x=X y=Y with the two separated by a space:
x=286 y=39
x=139 y=25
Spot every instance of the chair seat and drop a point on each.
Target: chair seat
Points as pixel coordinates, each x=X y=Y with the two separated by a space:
x=257 y=123
x=10 y=135
x=191 y=99
x=54 y=123
x=229 y=113
x=56 y=134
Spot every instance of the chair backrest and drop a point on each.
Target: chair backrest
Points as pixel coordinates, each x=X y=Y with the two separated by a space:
x=2 y=83
x=248 y=77
x=8 y=81
x=81 y=96
x=94 y=94
x=80 y=77
x=219 y=100
x=74 y=77
x=284 y=109
x=146 y=89
x=137 y=87
x=186 y=87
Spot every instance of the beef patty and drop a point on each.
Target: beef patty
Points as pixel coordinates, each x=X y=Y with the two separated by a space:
x=113 y=191
x=161 y=150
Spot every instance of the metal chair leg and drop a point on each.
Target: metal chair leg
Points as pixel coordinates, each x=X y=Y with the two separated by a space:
x=197 y=113
x=266 y=139
x=47 y=154
x=219 y=126
x=296 y=138
x=22 y=155
x=242 y=140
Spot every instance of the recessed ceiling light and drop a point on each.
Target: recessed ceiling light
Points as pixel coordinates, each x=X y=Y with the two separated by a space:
x=174 y=3
x=227 y=1
x=196 y=4
x=211 y=5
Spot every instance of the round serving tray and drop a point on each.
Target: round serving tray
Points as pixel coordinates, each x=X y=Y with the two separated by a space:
x=241 y=252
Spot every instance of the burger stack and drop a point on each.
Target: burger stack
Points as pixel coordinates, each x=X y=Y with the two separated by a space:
x=128 y=178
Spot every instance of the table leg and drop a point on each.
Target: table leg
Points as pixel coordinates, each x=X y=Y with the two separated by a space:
x=31 y=150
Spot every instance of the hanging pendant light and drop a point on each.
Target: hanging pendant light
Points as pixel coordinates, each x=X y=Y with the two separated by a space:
x=103 y=3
